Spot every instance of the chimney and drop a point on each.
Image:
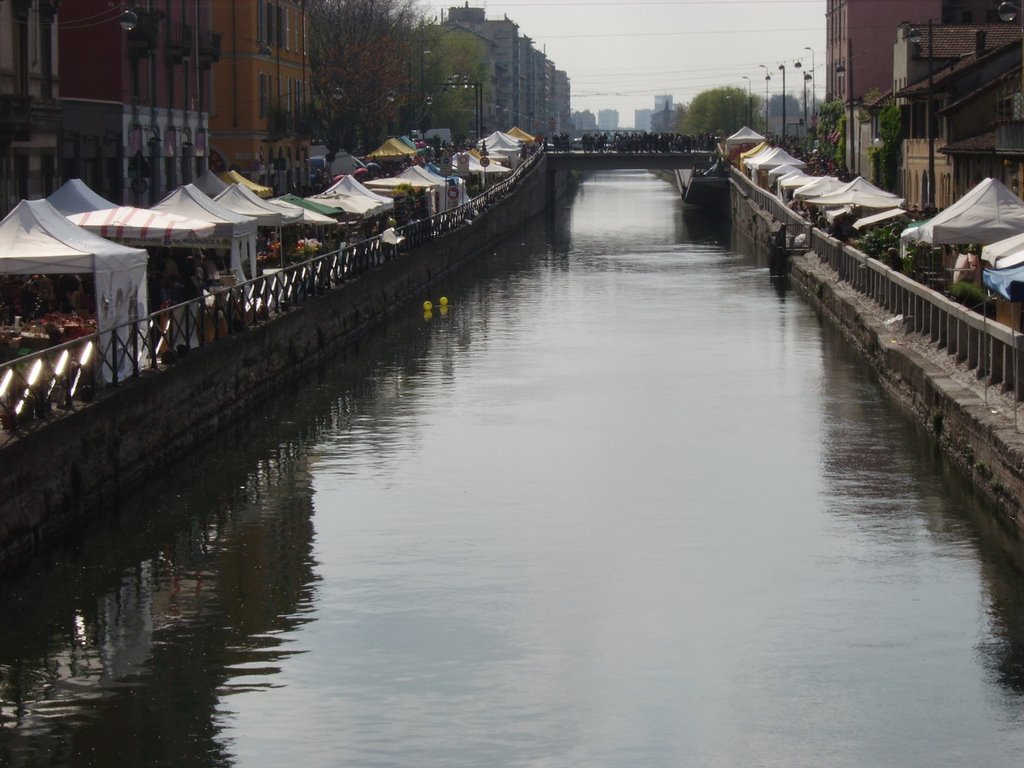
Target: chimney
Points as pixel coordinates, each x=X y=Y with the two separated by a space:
x=979 y=43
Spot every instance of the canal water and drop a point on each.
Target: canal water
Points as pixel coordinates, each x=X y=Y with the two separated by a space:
x=627 y=501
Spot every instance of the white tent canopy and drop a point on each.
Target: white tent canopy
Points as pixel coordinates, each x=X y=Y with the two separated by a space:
x=772 y=158
x=822 y=185
x=244 y=201
x=859 y=192
x=231 y=230
x=987 y=214
x=75 y=197
x=795 y=180
x=744 y=135
x=878 y=218
x=499 y=141
x=210 y=183
x=35 y=238
x=142 y=227
x=350 y=185
x=354 y=205
x=781 y=170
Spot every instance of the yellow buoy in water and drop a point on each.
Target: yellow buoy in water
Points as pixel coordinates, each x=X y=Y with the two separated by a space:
x=428 y=315
x=427 y=306
x=443 y=301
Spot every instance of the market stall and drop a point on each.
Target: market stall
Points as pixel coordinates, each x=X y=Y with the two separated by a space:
x=36 y=239
x=987 y=214
x=231 y=230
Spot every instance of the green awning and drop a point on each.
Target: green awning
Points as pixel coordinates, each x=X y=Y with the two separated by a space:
x=309 y=205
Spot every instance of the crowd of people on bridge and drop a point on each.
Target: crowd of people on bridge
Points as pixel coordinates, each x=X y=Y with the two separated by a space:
x=645 y=142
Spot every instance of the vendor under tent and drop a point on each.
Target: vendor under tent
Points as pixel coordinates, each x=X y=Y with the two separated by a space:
x=987 y=214
x=861 y=193
x=234 y=177
x=35 y=238
x=141 y=227
x=210 y=183
x=391 y=151
x=884 y=217
x=231 y=230
x=74 y=196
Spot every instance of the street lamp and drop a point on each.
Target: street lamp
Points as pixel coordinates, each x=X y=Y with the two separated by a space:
x=807 y=76
x=767 y=77
x=846 y=72
x=750 y=102
x=915 y=37
x=782 y=68
x=814 y=89
x=128 y=20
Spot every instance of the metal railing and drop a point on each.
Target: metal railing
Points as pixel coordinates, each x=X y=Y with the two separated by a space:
x=61 y=378
x=989 y=348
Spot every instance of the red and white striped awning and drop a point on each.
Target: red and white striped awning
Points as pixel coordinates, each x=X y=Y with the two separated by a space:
x=140 y=225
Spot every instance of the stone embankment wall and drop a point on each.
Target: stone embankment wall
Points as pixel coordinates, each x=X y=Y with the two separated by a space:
x=974 y=423
x=83 y=460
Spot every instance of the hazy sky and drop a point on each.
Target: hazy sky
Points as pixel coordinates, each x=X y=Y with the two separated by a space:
x=619 y=54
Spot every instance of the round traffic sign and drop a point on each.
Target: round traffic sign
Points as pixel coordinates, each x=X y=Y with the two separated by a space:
x=453 y=192
x=485 y=161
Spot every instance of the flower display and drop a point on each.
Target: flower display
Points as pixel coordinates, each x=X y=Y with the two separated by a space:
x=308 y=246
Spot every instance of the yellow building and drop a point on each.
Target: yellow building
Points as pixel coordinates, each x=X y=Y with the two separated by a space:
x=259 y=116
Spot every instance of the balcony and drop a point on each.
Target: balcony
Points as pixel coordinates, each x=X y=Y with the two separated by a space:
x=179 y=42
x=209 y=47
x=15 y=117
x=144 y=36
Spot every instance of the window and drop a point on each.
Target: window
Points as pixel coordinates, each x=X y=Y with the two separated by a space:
x=263 y=95
x=261 y=28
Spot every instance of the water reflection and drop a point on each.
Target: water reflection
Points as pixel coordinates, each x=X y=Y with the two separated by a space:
x=624 y=503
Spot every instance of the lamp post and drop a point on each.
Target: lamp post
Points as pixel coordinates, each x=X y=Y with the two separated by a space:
x=750 y=102
x=1009 y=12
x=767 y=77
x=782 y=68
x=807 y=76
x=915 y=37
x=814 y=90
x=846 y=72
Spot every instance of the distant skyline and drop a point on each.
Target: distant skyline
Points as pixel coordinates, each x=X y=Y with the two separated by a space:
x=620 y=55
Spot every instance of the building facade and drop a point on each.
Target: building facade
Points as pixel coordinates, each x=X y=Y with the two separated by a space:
x=260 y=114
x=136 y=118
x=29 y=107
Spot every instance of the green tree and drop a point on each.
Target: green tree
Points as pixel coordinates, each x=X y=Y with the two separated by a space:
x=890 y=131
x=719 y=110
x=452 y=60
x=832 y=131
x=361 y=55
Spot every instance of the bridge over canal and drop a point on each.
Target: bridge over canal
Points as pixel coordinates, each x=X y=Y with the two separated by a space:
x=641 y=161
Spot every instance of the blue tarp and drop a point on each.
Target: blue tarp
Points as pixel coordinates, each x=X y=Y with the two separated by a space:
x=1008 y=283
